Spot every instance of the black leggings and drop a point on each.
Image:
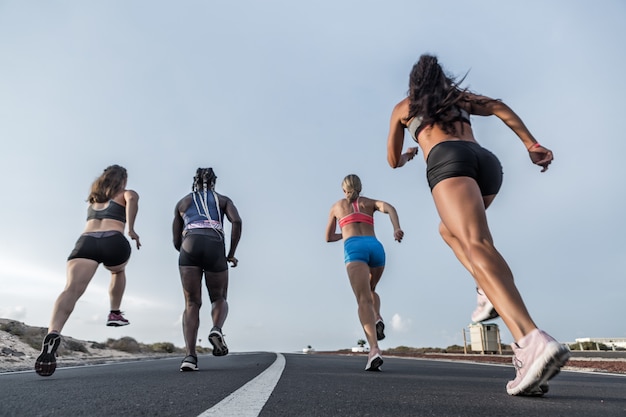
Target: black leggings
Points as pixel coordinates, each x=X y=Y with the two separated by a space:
x=109 y=248
x=459 y=158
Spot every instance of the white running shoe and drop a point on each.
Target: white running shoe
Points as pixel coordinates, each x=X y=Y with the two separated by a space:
x=538 y=358
x=484 y=308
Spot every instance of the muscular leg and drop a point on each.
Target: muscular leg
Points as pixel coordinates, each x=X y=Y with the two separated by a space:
x=359 y=275
x=117 y=285
x=462 y=211
x=191 y=278
x=484 y=308
x=454 y=243
x=217 y=286
x=79 y=273
x=375 y=275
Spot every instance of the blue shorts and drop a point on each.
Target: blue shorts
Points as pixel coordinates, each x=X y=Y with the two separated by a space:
x=364 y=249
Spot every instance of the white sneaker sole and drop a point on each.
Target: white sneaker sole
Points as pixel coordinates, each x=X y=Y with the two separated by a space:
x=187 y=366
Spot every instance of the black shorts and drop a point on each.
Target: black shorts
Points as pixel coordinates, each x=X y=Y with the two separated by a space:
x=110 y=248
x=203 y=248
x=459 y=158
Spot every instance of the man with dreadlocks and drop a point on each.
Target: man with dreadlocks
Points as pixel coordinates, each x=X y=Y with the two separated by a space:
x=464 y=179
x=199 y=237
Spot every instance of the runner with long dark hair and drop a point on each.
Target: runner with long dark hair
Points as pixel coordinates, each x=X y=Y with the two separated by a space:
x=464 y=178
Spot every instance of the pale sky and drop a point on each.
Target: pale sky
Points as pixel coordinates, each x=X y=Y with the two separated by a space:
x=283 y=99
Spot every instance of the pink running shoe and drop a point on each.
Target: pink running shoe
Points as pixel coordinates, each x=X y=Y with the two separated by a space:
x=117 y=320
x=538 y=358
x=484 y=308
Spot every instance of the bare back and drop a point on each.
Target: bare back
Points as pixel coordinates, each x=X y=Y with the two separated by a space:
x=343 y=208
x=433 y=134
x=101 y=225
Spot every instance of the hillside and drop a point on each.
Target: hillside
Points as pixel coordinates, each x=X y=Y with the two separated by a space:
x=20 y=345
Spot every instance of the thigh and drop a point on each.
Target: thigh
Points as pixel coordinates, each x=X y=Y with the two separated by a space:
x=80 y=271
x=217 y=284
x=359 y=275
x=462 y=210
x=191 y=279
x=375 y=275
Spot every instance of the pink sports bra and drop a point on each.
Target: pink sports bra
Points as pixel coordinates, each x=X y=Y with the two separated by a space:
x=356 y=216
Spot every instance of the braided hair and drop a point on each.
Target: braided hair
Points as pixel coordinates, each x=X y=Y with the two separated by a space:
x=203 y=184
x=109 y=184
x=433 y=94
x=204 y=180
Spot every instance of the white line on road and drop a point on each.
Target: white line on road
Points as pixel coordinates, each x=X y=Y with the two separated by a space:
x=248 y=400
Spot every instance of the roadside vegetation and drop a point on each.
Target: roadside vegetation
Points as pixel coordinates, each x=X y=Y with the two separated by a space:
x=33 y=336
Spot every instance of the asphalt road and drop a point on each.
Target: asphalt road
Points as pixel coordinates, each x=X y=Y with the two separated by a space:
x=268 y=384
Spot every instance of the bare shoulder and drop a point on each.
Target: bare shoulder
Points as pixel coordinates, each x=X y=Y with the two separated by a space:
x=131 y=194
x=379 y=205
x=369 y=204
x=478 y=104
x=402 y=106
x=223 y=198
x=183 y=203
x=338 y=208
x=401 y=111
x=126 y=196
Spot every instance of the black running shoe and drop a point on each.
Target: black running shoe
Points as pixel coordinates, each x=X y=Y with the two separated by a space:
x=190 y=363
x=380 y=330
x=374 y=363
x=217 y=340
x=46 y=362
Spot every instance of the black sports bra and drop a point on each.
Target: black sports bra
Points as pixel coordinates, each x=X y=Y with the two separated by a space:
x=415 y=125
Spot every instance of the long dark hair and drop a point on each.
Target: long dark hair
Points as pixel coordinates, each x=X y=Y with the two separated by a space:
x=204 y=179
x=108 y=185
x=433 y=94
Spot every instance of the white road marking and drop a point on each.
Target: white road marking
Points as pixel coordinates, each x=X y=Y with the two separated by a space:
x=248 y=400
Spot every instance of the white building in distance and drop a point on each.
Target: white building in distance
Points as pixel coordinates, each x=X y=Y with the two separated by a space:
x=611 y=342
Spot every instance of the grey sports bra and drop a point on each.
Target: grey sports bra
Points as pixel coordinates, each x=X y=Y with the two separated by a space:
x=415 y=125
x=113 y=211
